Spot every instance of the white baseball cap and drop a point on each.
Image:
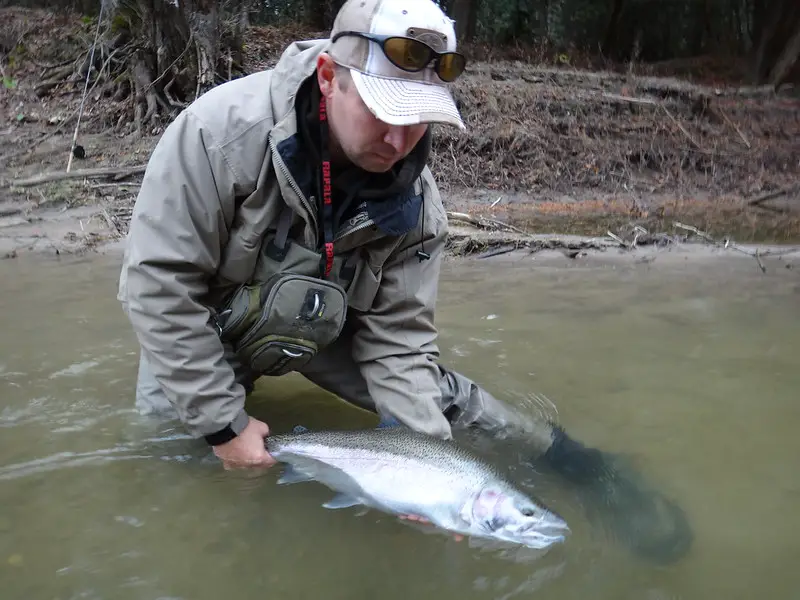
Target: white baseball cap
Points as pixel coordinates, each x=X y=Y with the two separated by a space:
x=394 y=95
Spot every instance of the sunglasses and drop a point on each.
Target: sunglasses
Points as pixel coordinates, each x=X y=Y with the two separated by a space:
x=413 y=55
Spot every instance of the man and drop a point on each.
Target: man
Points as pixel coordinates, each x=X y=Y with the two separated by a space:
x=288 y=221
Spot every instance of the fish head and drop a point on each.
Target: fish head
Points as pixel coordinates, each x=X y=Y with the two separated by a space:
x=506 y=514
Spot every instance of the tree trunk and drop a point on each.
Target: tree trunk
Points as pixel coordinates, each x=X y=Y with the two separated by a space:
x=203 y=17
x=162 y=54
x=315 y=13
x=787 y=59
x=609 y=45
x=702 y=36
x=778 y=22
x=461 y=11
x=330 y=8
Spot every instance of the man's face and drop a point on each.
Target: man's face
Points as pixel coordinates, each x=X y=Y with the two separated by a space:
x=364 y=140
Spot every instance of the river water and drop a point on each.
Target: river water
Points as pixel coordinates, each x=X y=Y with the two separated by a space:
x=689 y=370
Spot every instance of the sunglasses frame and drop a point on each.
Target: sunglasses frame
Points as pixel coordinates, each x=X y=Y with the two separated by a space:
x=434 y=56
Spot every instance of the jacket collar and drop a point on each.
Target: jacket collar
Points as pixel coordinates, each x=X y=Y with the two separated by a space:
x=295 y=66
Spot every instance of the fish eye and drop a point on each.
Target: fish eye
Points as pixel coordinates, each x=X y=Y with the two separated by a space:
x=527 y=512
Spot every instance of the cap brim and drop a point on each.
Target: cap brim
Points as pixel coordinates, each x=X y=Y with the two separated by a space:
x=407 y=102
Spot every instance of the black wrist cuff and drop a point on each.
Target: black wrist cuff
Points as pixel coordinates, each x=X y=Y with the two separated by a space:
x=226 y=434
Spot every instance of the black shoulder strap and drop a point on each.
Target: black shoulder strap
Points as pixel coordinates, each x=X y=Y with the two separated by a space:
x=279 y=245
x=348 y=269
x=326 y=262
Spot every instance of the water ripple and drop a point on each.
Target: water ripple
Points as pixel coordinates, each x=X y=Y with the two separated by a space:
x=75 y=369
x=530 y=585
x=65 y=419
x=64 y=460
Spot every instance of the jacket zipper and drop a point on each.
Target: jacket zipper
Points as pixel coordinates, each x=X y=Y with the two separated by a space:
x=356 y=229
x=276 y=157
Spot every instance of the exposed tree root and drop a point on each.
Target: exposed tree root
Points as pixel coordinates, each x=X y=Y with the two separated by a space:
x=153 y=58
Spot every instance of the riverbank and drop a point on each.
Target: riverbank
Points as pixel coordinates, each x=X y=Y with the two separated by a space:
x=605 y=157
x=86 y=231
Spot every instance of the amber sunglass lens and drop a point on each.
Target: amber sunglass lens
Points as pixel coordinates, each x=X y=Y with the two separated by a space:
x=406 y=53
x=451 y=66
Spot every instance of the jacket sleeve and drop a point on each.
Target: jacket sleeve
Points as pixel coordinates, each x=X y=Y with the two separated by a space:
x=395 y=342
x=174 y=246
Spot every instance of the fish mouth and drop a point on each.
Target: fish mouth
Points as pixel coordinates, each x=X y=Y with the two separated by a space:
x=549 y=530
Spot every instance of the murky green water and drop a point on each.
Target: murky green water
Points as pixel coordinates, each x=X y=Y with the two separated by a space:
x=693 y=372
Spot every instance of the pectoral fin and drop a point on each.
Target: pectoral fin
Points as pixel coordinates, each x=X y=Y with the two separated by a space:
x=341 y=501
x=292 y=475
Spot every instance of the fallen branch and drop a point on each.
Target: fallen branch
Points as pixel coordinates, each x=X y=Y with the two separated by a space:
x=732 y=124
x=457 y=216
x=499 y=251
x=483 y=222
x=758 y=252
x=663 y=107
x=111 y=222
x=726 y=243
x=462 y=243
x=696 y=231
x=630 y=99
x=682 y=128
x=772 y=195
x=761 y=266
x=641 y=238
x=97 y=186
x=618 y=239
x=47 y=67
x=117 y=172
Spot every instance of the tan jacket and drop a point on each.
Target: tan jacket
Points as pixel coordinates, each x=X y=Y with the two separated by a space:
x=214 y=185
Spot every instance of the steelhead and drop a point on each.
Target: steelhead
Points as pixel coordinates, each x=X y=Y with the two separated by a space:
x=400 y=471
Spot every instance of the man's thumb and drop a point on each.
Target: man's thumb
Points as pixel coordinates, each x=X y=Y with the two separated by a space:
x=263 y=429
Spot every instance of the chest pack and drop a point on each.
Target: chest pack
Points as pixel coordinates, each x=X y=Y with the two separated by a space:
x=281 y=320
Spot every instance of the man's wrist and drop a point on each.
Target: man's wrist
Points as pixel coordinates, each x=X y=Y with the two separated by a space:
x=223 y=436
x=229 y=432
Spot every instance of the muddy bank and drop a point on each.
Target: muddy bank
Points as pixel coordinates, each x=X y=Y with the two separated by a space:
x=91 y=232
x=653 y=250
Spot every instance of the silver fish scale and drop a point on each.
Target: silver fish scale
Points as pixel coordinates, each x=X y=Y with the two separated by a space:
x=396 y=468
x=406 y=444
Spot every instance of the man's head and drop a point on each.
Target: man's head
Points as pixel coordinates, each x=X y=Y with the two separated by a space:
x=382 y=86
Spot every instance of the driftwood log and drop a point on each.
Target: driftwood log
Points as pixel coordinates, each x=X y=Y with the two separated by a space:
x=116 y=172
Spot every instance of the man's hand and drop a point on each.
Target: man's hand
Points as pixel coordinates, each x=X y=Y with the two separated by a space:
x=247 y=450
x=417 y=519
